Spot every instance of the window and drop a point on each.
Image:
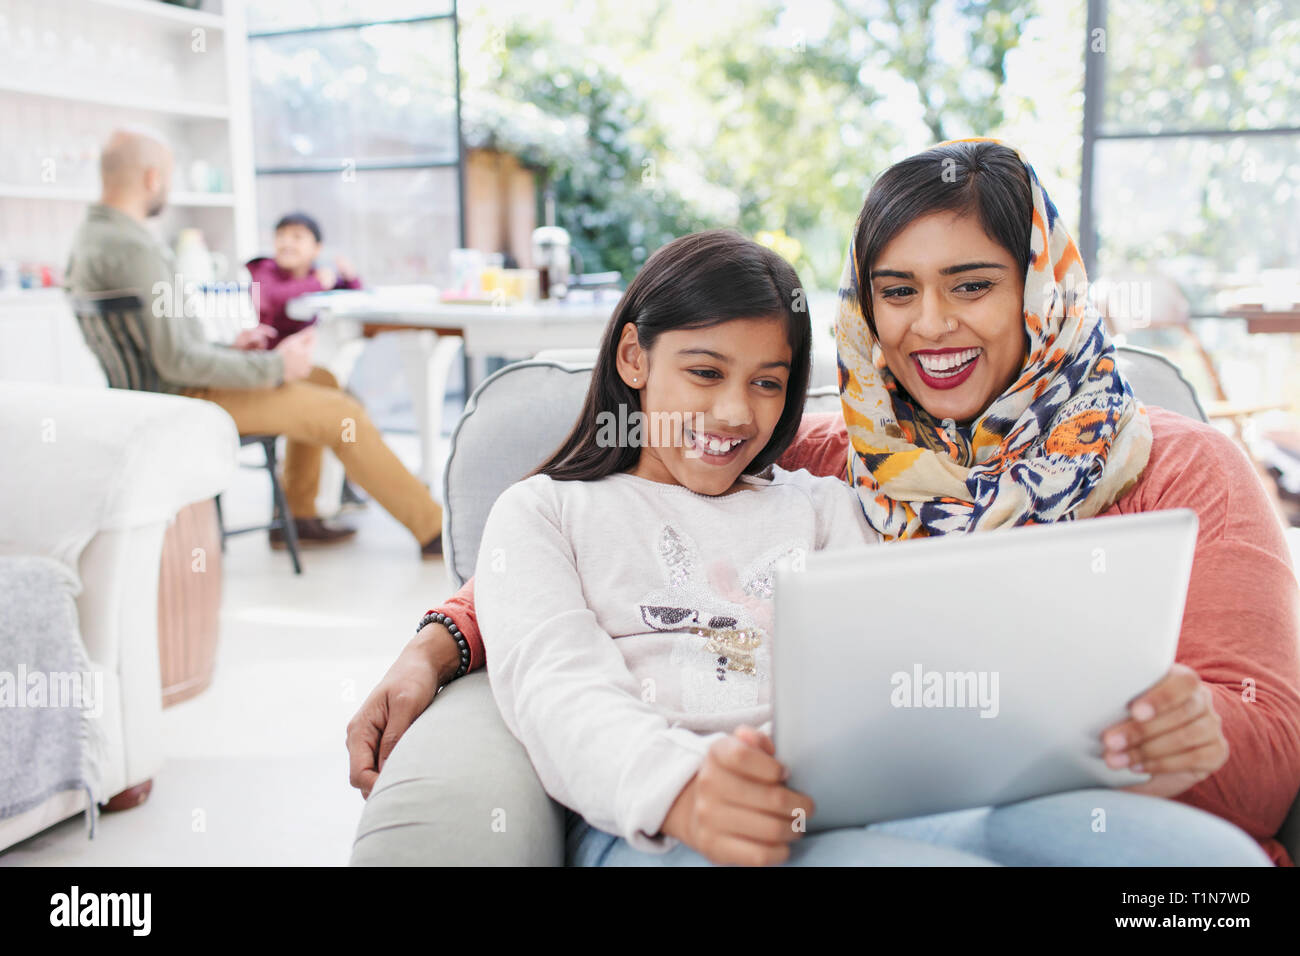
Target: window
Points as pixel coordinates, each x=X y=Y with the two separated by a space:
x=356 y=121
x=1191 y=152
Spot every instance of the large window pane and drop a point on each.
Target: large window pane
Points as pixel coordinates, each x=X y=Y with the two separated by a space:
x=1218 y=64
x=1211 y=213
x=373 y=94
x=395 y=225
x=292 y=14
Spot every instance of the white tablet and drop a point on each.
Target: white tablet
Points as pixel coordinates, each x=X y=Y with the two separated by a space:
x=970 y=670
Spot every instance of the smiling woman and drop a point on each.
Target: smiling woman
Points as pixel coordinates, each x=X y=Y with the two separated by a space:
x=951 y=329
x=980 y=391
x=968 y=359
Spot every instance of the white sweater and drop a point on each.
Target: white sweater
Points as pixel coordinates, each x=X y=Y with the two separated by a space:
x=585 y=595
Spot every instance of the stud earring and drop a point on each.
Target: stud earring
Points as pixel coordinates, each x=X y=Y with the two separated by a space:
x=952 y=326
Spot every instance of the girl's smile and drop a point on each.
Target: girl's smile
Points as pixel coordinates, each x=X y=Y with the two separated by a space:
x=726 y=383
x=715 y=448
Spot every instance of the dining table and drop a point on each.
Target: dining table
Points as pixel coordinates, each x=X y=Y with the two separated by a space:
x=1273 y=318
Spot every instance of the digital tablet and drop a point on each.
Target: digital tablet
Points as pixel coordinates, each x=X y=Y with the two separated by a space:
x=969 y=670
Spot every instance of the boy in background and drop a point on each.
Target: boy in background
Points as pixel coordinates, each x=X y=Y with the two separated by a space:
x=291 y=273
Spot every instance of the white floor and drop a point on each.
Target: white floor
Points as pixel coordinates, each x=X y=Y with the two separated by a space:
x=256 y=770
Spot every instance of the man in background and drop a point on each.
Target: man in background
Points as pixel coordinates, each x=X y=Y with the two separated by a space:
x=265 y=392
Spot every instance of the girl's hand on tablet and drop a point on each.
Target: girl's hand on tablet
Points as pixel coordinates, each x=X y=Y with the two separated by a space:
x=736 y=809
x=1173 y=733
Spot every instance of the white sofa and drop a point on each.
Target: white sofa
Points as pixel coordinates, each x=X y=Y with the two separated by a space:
x=92 y=477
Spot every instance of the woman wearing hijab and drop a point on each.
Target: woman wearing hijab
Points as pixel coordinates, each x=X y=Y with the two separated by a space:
x=978 y=391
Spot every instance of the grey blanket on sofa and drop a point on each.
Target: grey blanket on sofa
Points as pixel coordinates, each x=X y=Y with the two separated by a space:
x=51 y=701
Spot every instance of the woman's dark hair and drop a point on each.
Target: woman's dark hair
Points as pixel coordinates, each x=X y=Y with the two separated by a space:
x=694 y=282
x=983 y=179
x=299 y=219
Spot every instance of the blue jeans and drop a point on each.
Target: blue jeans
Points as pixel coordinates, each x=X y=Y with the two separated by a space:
x=1097 y=827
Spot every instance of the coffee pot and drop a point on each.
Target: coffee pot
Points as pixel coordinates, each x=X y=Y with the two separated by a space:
x=552 y=257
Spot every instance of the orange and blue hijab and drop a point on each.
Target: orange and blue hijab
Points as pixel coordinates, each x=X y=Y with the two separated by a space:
x=1064 y=441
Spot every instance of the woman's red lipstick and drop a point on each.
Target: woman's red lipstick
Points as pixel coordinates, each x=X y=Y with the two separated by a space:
x=945 y=381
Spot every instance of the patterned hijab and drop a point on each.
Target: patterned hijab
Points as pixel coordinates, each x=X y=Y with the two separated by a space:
x=1064 y=441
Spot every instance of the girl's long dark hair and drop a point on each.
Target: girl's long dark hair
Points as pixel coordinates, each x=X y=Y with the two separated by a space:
x=983 y=179
x=697 y=281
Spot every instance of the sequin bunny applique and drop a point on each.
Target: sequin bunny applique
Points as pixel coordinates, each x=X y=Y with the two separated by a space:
x=728 y=615
x=688 y=598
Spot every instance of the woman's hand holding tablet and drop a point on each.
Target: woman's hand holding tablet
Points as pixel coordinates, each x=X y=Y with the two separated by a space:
x=1174 y=734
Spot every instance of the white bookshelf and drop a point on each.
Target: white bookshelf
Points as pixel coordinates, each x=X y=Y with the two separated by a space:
x=73 y=70
x=192 y=109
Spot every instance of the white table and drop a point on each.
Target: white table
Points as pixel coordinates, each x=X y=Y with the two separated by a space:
x=512 y=331
x=436 y=332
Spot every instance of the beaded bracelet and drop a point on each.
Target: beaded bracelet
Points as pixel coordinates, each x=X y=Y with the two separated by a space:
x=435 y=617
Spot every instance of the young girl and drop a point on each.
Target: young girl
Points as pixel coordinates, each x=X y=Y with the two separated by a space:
x=624 y=589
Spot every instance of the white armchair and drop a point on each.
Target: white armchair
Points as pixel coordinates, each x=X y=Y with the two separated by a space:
x=92 y=477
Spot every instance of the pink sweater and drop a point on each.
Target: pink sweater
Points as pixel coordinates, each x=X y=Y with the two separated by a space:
x=1241 y=622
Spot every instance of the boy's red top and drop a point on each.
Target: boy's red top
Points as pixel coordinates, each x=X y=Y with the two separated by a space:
x=274 y=287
